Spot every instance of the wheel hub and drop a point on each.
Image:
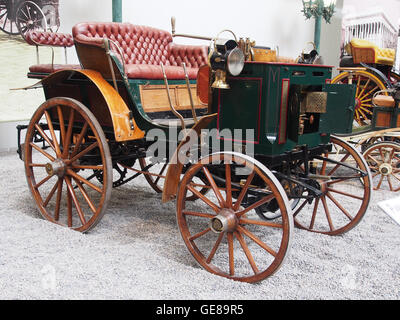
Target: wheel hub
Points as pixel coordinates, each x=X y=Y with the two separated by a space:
x=57 y=167
x=358 y=103
x=225 y=221
x=385 y=169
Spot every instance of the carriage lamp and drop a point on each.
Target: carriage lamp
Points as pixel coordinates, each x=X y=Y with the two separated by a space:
x=318 y=9
x=226 y=57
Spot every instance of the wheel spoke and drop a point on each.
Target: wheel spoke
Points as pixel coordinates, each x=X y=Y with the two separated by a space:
x=75 y=200
x=231 y=254
x=328 y=215
x=256 y=204
x=68 y=136
x=52 y=133
x=215 y=248
x=228 y=183
x=84 y=167
x=370 y=92
x=83 y=180
x=160 y=173
x=247 y=252
x=85 y=195
x=62 y=124
x=38 y=185
x=257 y=240
x=198 y=214
x=261 y=223
x=314 y=214
x=244 y=190
x=69 y=209
x=390 y=183
x=42 y=151
x=345 y=194
x=380 y=183
x=203 y=198
x=300 y=208
x=337 y=166
x=82 y=153
x=347 y=214
x=45 y=137
x=58 y=199
x=214 y=187
x=80 y=139
x=53 y=190
x=200 y=234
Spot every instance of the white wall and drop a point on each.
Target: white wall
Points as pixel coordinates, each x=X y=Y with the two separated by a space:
x=267 y=22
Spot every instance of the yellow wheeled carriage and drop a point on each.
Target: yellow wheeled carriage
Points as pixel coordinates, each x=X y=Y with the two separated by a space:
x=370 y=68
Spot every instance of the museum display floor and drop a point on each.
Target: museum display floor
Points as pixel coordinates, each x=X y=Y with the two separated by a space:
x=136 y=252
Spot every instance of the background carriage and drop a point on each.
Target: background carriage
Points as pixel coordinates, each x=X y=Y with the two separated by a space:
x=19 y=16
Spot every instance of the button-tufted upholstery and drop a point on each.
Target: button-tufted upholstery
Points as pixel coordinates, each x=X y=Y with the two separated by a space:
x=144 y=49
x=36 y=37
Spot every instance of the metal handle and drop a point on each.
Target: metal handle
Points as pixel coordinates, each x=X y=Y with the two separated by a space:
x=169 y=99
x=190 y=93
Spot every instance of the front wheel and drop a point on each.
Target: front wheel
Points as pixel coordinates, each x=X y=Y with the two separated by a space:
x=222 y=229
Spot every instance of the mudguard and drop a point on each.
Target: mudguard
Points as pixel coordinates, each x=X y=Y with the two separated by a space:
x=125 y=128
x=175 y=167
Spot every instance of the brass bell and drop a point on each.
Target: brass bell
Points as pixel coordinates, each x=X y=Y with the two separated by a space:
x=220 y=80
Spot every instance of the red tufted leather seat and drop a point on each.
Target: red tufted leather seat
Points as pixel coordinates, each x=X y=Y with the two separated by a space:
x=144 y=49
x=36 y=37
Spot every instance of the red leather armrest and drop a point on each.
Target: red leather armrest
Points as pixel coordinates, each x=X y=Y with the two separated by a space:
x=53 y=39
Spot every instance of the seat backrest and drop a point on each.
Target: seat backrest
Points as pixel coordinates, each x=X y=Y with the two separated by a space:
x=139 y=44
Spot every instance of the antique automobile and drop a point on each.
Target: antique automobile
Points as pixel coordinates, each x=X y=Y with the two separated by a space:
x=236 y=208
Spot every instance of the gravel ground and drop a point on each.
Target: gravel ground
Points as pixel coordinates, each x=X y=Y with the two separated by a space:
x=136 y=252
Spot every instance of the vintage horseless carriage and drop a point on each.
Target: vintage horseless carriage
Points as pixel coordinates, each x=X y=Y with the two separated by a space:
x=235 y=211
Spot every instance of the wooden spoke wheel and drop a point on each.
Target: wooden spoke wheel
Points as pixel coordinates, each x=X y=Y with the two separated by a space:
x=29 y=17
x=156 y=173
x=58 y=176
x=367 y=85
x=383 y=159
x=7 y=18
x=222 y=230
x=346 y=188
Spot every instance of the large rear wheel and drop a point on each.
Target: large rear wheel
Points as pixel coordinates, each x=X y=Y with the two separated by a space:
x=344 y=179
x=71 y=145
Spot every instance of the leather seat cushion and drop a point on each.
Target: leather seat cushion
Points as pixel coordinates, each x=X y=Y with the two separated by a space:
x=49 y=68
x=36 y=37
x=154 y=72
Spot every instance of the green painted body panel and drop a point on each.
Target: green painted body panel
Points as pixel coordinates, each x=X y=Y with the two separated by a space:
x=254 y=102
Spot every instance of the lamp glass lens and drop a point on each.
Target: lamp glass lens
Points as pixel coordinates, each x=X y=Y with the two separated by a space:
x=235 y=62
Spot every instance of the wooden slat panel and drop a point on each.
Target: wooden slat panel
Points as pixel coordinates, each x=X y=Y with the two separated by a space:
x=155 y=99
